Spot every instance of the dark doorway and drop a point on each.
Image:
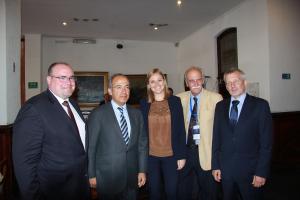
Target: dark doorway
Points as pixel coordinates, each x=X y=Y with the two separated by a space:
x=227 y=56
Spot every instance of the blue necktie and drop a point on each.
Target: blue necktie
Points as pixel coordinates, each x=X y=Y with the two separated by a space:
x=234 y=112
x=193 y=122
x=124 y=128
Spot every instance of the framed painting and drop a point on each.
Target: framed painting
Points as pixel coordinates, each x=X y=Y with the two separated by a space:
x=138 y=88
x=90 y=88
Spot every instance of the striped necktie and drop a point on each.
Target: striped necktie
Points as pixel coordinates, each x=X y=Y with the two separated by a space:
x=123 y=126
x=193 y=122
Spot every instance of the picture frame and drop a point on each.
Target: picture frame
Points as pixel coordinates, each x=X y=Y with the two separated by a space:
x=138 y=88
x=90 y=88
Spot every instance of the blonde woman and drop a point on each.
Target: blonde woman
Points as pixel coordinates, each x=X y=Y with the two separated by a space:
x=164 y=121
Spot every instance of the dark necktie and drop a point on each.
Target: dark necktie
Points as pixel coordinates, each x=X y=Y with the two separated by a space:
x=70 y=113
x=193 y=122
x=234 y=112
x=124 y=128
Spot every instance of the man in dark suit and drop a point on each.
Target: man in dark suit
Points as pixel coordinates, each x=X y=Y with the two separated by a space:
x=118 y=145
x=242 y=140
x=49 y=147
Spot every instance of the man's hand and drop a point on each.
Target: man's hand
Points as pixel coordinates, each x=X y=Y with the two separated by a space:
x=93 y=182
x=141 y=179
x=180 y=164
x=258 y=181
x=217 y=175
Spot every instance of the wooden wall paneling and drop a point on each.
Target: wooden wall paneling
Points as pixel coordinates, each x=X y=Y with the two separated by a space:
x=6 y=159
x=286 y=145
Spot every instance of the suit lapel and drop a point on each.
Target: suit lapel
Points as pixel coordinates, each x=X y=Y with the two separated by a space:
x=185 y=101
x=245 y=109
x=65 y=117
x=202 y=106
x=226 y=113
x=115 y=124
x=132 y=124
x=75 y=105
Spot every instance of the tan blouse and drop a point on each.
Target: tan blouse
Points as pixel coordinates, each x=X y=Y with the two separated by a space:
x=159 y=120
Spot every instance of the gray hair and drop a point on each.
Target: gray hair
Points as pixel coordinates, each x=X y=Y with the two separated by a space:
x=233 y=70
x=192 y=68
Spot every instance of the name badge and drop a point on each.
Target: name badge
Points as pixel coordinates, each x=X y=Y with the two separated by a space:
x=196 y=136
x=196 y=127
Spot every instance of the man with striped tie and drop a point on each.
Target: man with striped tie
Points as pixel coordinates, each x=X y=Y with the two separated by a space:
x=118 y=145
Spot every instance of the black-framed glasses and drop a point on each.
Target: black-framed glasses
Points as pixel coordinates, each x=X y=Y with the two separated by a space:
x=65 y=78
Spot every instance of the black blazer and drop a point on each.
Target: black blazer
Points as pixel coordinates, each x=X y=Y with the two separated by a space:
x=177 y=125
x=245 y=150
x=48 y=156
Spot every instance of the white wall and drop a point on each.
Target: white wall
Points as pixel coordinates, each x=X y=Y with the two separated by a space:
x=3 y=102
x=250 y=19
x=137 y=57
x=33 y=63
x=284 y=37
x=10 y=29
x=268 y=46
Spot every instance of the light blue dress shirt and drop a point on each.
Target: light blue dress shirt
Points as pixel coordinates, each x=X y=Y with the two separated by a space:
x=241 y=99
x=118 y=115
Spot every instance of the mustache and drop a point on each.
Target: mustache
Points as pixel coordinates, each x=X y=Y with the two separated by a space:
x=196 y=87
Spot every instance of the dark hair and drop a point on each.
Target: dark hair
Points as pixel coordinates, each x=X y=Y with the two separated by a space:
x=50 y=68
x=171 y=91
x=114 y=76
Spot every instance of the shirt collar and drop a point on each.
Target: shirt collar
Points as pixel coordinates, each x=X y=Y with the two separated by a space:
x=197 y=96
x=241 y=98
x=116 y=106
x=59 y=99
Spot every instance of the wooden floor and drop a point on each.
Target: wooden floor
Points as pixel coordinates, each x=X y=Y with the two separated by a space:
x=283 y=184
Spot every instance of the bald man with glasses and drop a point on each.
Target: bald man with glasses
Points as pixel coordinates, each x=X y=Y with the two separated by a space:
x=198 y=108
x=49 y=142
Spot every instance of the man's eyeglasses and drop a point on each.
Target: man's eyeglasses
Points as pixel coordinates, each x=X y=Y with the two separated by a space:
x=65 y=78
x=235 y=82
x=195 y=81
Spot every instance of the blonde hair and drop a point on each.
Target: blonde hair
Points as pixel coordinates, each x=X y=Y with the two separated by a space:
x=149 y=91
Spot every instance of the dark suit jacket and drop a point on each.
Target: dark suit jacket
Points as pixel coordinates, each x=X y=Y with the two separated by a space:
x=245 y=150
x=48 y=156
x=115 y=164
x=177 y=125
